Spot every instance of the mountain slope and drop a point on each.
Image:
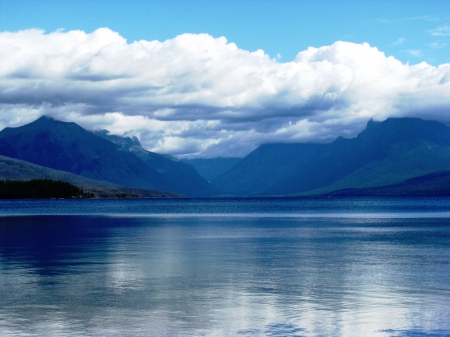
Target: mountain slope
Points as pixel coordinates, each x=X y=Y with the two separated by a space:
x=15 y=169
x=399 y=164
x=434 y=184
x=211 y=168
x=181 y=174
x=68 y=147
x=384 y=153
x=266 y=167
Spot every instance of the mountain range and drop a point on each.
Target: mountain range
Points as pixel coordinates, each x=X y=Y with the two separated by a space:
x=385 y=153
x=399 y=156
x=66 y=146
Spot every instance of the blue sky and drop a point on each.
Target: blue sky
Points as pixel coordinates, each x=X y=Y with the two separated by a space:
x=411 y=30
x=219 y=78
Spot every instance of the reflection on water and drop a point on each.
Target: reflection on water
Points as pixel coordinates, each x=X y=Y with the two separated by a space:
x=97 y=275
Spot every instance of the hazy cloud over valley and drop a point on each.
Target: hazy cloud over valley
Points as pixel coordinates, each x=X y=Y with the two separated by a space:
x=198 y=95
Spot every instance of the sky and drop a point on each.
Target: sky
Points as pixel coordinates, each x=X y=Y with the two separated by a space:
x=219 y=78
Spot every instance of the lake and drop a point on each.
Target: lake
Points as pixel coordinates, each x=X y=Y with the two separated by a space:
x=225 y=267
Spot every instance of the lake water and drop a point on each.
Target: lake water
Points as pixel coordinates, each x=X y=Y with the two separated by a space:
x=237 y=267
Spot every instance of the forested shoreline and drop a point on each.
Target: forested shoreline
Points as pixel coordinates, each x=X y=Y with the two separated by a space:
x=40 y=189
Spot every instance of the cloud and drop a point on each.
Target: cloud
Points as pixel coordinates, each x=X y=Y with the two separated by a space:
x=196 y=95
x=399 y=41
x=414 y=52
x=437 y=44
x=441 y=31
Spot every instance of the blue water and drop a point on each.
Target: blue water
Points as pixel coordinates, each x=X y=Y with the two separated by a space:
x=215 y=267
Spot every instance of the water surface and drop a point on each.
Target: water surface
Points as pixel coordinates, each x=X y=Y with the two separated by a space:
x=242 y=267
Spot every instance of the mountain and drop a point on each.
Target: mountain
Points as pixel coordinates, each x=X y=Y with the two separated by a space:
x=390 y=157
x=266 y=168
x=434 y=184
x=15 y=169
x=184 y=176
x=212 y=167
x=384 y=153
x=68 y=147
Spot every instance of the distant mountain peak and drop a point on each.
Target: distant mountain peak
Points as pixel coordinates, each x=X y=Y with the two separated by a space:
x=372 y=123
x=411 y=127
x=45 y=118
x=126 y=143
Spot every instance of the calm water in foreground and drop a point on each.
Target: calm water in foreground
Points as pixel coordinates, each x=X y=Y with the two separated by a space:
x=268 y=267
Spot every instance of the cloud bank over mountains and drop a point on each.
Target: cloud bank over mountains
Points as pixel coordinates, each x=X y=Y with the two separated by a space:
x=199 y=95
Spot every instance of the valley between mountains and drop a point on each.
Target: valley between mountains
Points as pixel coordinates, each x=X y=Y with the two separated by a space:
x=396 y=157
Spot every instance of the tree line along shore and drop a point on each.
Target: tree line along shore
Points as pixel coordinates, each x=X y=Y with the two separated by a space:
x=40 y=189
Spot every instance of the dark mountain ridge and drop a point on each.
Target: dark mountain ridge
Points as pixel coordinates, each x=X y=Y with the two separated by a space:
x=384 y=153
x=183 y=175
x=386 y=141
x=16 y=169
x=68 y=147
x=387 y=157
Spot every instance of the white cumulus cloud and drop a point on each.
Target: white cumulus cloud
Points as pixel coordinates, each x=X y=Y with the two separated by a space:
x=196 y=95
